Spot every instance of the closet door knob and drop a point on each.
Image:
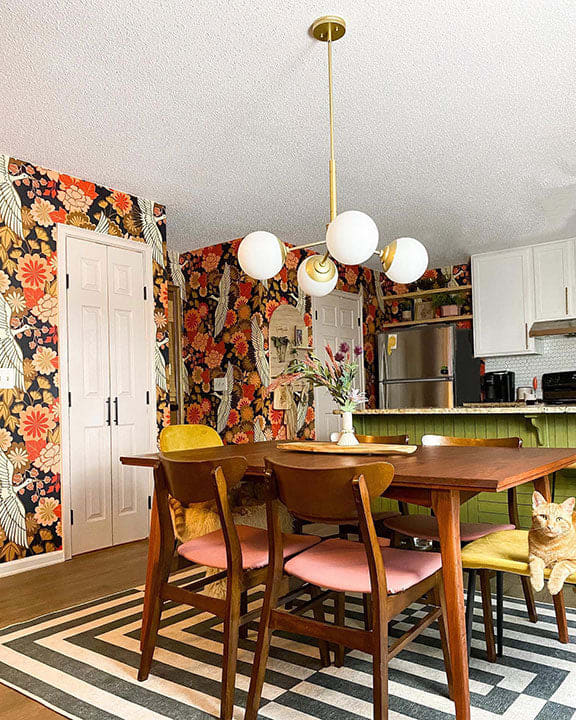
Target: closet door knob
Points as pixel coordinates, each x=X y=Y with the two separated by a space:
x=116 y=410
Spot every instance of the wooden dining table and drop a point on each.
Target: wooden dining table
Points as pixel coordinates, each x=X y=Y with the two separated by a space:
x=440 y=478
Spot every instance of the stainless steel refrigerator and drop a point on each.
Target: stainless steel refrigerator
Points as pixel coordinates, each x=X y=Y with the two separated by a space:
x=427 y=366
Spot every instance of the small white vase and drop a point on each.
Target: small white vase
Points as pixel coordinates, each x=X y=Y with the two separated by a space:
x=347 y=436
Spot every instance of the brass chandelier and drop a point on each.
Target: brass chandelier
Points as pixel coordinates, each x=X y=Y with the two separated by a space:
x=351 y=236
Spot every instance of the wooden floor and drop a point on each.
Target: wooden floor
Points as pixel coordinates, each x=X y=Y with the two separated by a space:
x=86 y=578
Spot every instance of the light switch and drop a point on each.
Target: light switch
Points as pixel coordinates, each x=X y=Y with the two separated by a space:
x=7 y=378
x=220 y=384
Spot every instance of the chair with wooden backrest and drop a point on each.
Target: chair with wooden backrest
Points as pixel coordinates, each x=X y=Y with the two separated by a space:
x=378 y=514
x=238 y=551
x=426 y=527
x=394 y=578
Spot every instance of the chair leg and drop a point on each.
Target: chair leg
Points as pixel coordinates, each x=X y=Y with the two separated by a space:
x=243 y=610
x=323 y=646
x=487 y=613
x=261 y=652
x=529 y=597
x=500 y=612
x=367 y=605
x=230 y=651
x=560 y=609
x=380 y=672
x=339 y=611
x=470 y=601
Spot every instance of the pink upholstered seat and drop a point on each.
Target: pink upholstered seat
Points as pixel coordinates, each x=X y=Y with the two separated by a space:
x=426 y=527
x=210 y=549
x=342 y=565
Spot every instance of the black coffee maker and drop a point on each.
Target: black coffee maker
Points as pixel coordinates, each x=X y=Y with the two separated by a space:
x=499 y=386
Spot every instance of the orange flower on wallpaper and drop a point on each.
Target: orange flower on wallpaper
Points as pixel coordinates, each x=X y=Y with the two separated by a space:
x=199 y=341
x=33 y=271
x=121 y=202
x=35 y=422
x=210 y=261
x=76 y=194
x=240 y=344
x=163 y=297
x=233 y=418
x=194 y=414
x=41 y=212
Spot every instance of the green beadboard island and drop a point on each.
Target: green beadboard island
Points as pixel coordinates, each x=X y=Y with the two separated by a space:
x=538 y=425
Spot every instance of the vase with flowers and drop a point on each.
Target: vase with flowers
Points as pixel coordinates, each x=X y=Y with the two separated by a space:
x=337 y=375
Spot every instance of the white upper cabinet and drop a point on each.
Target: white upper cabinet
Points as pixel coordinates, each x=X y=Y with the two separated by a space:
x=554 y=281
x=503 y=302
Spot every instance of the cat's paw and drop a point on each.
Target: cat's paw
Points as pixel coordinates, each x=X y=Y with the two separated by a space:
x=555 y=585
x=537 y=583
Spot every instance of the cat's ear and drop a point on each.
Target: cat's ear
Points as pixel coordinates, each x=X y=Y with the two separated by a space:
x=568 y=505
x=538 y=500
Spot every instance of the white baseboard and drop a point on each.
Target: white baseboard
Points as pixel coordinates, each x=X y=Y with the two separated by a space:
x=31 y=563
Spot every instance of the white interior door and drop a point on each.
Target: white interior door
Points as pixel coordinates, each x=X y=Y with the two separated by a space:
x=337 y=318
x=128 y=368
x=89 y=388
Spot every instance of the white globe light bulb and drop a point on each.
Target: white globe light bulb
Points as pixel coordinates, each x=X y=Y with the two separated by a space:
x=317 y=278
x=352 y=237
x=261 y=255
x=405 y=260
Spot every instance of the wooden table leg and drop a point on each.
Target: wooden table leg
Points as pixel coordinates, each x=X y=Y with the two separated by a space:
x=153 y=559
x=446 y=506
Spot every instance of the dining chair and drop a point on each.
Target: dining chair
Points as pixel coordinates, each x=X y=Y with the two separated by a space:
x=188 y=437
x=507 y=552
x=239 y=552
x=426 y=527
x=394 y=578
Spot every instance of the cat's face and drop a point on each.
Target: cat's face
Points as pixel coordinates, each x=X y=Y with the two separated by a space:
x=553 y=519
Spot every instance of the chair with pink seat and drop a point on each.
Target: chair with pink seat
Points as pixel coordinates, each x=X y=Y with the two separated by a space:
x=393 y=578
x=426 y=527
x=239 y=552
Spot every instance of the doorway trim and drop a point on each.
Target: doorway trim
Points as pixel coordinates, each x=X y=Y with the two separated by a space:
x=64 y=234
x=359 y=297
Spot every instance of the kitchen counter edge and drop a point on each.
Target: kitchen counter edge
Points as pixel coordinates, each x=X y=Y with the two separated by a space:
x=528 y=410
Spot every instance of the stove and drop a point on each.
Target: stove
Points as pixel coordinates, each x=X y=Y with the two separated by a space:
x=559 y=388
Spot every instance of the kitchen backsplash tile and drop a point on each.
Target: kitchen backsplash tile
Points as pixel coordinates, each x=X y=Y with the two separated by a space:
x=556 y=353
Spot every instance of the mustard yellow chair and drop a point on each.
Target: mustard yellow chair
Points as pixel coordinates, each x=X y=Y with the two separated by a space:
x=188 y=437
x=506 y=552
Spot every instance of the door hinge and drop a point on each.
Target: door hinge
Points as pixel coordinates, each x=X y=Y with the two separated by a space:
x=69 y=399
x=147 y=397
x=149 y=502
x=145 y=293
x=67 y=281
x=71 y=516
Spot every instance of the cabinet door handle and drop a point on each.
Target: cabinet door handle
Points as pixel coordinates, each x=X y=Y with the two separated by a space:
x=566 y=296
x=526 y=334
x=108 y=411
x=116 y=411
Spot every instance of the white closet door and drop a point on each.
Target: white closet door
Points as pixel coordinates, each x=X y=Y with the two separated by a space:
x=128 y=383
x=89 y=380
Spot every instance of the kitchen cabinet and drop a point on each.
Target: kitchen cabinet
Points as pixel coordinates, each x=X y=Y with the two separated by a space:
x=503 y=302
x=554 y=280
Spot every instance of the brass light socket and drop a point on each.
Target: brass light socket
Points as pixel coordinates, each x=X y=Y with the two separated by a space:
x=320 y=271
x=387 y=255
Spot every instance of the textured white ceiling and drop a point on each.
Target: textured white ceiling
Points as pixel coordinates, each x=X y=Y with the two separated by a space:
x=455 y=121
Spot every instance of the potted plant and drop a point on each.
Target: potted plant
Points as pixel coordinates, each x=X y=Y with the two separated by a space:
x=448 y=304
x=405 y=309
x=337 y=374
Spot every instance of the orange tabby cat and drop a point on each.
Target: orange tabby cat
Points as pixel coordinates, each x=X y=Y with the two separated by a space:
x=551 y=543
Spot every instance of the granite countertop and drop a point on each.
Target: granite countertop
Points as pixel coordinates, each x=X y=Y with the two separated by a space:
x=491 y=410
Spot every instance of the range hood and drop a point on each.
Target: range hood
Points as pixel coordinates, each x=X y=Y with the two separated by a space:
x=553 y=327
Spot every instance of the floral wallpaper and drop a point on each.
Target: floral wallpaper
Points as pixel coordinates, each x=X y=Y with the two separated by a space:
x=32 y=201
x=226 y=316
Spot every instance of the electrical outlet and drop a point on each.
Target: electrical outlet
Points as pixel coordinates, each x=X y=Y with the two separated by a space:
x=7 y=378
x=220 y=384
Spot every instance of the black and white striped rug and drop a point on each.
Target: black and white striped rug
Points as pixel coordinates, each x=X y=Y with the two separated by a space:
x=82 y=662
